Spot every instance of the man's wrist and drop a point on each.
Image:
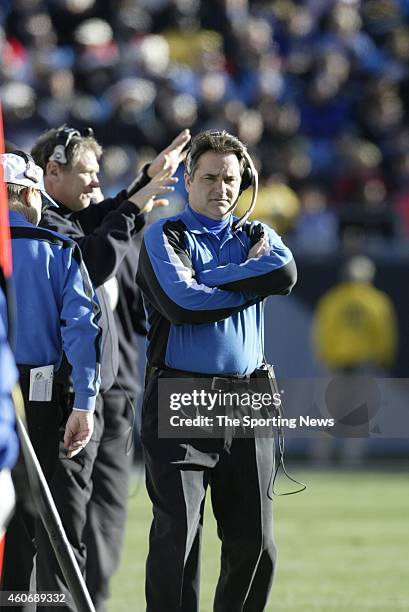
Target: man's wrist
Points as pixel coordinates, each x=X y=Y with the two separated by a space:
x=89 y=410
x=83 y=402
x=140 y=181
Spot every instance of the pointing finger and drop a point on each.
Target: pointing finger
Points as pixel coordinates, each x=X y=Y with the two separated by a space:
x=180 y=141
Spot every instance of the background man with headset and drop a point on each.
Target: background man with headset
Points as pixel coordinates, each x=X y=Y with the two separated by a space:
x=204 y=276
x=105 y=233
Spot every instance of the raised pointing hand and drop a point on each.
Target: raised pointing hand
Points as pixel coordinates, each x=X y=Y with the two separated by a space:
x=160 y=184
x=174 y=152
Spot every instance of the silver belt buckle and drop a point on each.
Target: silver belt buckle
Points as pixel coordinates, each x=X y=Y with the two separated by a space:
x=222 y=381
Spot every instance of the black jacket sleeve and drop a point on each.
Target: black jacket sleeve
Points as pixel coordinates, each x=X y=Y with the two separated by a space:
x=275 y=273
x=103 y=232
x=276 y=282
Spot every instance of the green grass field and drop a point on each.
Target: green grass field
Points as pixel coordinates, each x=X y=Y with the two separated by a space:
x=343 y=546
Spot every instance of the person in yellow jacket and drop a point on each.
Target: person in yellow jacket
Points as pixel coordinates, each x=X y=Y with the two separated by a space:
x=354 y=327
x=354 y=332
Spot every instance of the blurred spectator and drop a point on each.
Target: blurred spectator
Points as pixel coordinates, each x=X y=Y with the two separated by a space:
x=319 y=90
x=358 y=161
x=401 y=198
x=368 y=216
x=355 y=327
x=277 y=205
x=317 y=225
x=355 y=333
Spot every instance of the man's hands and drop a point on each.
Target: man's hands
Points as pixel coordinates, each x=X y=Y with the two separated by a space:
x=161 y=171
x=261 y=247
x=78 y=431
x=161 y=183
x=174 y=153
x=97 y=195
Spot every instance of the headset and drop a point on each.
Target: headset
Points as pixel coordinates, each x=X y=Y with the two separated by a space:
x=249 y=177
x=31 y=171
x=63 y=138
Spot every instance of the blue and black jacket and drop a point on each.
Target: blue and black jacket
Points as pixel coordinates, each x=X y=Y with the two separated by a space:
x=203 y=296
x=56 y=307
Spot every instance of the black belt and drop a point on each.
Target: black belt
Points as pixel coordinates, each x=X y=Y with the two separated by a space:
x=219 y=382
x=234 y=378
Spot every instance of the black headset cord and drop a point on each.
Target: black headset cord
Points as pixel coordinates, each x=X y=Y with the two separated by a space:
x=271 y=489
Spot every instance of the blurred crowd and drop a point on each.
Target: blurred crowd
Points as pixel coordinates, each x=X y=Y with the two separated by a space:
x=318 y=89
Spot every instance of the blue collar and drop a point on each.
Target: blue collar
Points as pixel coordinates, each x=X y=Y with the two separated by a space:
x=216 y=226
x=199 y=224
x=16 y=219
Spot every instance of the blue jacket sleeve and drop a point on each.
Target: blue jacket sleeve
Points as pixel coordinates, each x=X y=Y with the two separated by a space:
x=167 y=279
x=8 y=378
x=272 y=274
x=80 y=331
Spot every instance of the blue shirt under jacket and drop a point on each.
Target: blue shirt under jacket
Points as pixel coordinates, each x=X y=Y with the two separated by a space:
x=56 y=306
x=203 y=296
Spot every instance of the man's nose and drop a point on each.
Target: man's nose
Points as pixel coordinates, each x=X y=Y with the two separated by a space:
x=221 y=187
x=94 y=182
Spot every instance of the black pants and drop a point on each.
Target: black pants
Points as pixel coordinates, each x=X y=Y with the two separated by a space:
x=70 y=485
x=19 y=548
x=107 y=508
x=177 y=475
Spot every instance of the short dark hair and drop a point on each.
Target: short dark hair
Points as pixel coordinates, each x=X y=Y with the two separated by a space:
x=218 y=142
x=45 y=145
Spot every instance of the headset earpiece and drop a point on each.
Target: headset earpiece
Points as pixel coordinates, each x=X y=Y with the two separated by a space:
x=63 y=139
x=246 y=178
x=87 y=132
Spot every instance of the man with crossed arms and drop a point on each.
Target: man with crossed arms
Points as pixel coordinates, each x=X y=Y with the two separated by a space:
x=204 y=283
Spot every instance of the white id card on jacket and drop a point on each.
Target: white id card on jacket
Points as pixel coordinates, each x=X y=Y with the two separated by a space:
x=41 y=384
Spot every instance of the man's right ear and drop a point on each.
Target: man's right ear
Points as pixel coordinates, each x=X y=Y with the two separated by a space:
x=53 y=170
x=28 y=194
x=187 y=181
